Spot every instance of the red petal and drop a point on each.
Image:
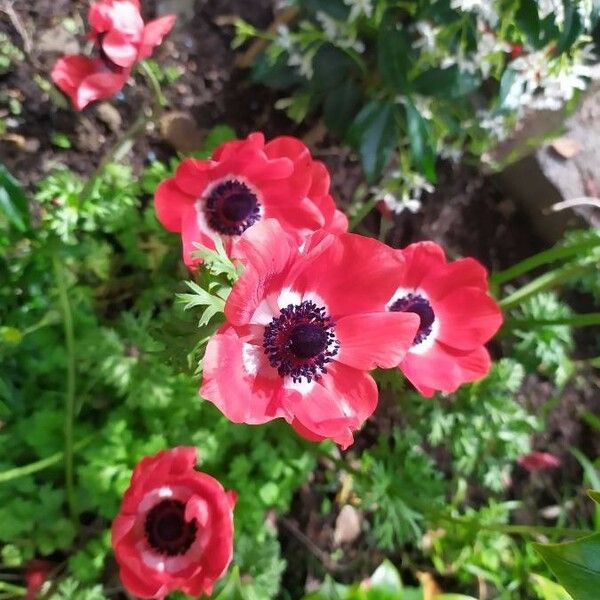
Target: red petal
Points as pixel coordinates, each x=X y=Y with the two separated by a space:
x=468 y=318
x=269 y=252
x=169 y=203
x=100 y=86
x=445 y=369
x=466 y=272
x=539 y=461
x=154 y=32
x=335 y=406
x=352 y=273
x=119 y=48
x=241 y=395
x=375 y=340
x=422 y=259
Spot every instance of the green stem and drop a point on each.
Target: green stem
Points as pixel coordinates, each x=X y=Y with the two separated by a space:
x=42 y=464
x=159 y=97
x=117 y=152
x=519 y=529
x=71 y=383
x=540 y=259
x=573 y=321
x=17 y=590
x=543 y=282
x=362 y=212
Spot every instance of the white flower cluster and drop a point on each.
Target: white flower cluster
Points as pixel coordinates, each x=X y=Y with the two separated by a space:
x=296 y=57
x=544 y=83
x=359 y=8
x=484 y=8
x=402 y=191
x=340 y=33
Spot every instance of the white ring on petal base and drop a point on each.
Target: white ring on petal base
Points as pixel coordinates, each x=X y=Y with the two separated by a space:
x=153 y=559
x=205 y=194
x=424 y=345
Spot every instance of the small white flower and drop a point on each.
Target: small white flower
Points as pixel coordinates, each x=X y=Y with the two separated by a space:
x=427 y=36
x=402 y=192
x=359 y=7
x=484 y=8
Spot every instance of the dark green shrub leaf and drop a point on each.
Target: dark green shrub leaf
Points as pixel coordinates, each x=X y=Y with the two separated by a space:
x=393 y=53
x=341 y=105
x=374 y=134
x=13 y=202
x=576 y=565
x=421 y=144
x=331 y=67
x=573 y=28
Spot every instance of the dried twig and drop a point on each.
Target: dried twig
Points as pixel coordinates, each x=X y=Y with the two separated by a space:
x=582 y=201
x=8 y=9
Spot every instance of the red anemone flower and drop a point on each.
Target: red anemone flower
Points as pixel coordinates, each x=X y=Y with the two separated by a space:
x=122 y=39
x=243 y=183
x=302 y=330
x=539 y=461
x=457 y=316
x=175 y=527
x=36 y=574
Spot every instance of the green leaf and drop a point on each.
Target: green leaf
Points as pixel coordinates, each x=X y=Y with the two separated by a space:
x=330 y=68
x=233 y=587
x=594 y=495
x=572 y=29
x=591 y=475
x=393 y=52
x=528 y=19
x=548 y=589
x=576 y=565
x=421 y=144
x=374 y=134
x=13 y=202
x=341 y=105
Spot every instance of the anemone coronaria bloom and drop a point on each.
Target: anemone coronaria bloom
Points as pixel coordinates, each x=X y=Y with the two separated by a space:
x=302 y=330
x=174 y=530
x=457 y=316
x=121 y=39
x=538 y=461
x=243 y=183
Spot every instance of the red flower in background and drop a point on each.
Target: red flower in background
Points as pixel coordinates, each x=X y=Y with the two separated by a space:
x=457 y=316
x=303 y=328
x=539 y=461
x=36 y=574
x=175 y=527
x=122 y=39
x=243 y=183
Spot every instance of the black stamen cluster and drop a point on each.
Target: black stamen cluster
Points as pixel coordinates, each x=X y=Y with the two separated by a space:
x=415 y=303
x=301 y=341
x=166 y=529
x=231 y=207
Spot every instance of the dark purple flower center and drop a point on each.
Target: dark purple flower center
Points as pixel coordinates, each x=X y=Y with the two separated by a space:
x=167 y=531
x=420 y=306
x=301 y=341
x=232 y=207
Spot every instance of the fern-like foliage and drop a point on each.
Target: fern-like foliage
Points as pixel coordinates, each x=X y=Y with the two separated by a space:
x=545 y=349
x=482 y=426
